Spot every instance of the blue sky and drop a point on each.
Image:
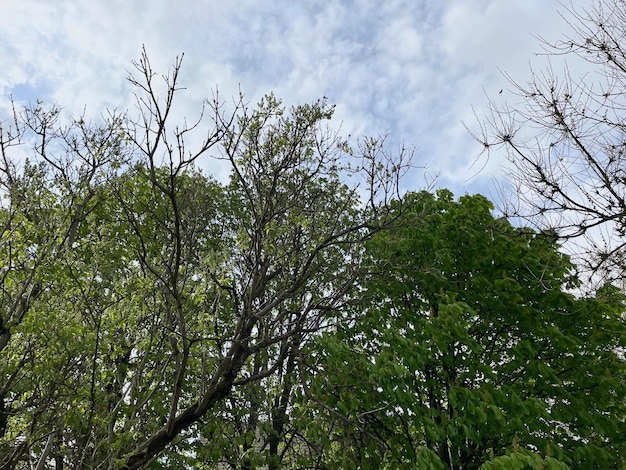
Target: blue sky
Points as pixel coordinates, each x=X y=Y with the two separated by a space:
x=412 y=69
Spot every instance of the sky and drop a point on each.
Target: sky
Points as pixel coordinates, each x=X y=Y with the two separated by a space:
x=414 y=70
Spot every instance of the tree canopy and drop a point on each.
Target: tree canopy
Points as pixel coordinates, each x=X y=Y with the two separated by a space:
x=470 y=347
x=153 y=316
x=138 y=293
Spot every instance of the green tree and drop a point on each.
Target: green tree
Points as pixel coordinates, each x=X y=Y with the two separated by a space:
x=47 y=199
x=469 y=346
x=152 y=316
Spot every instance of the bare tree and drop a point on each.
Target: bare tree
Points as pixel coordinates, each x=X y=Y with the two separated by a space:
x=567 y=140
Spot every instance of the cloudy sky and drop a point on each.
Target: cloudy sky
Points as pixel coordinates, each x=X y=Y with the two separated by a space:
x=411 y=69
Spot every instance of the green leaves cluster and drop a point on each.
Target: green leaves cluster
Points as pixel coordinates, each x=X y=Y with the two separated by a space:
x=470 y=344
x=150 y=315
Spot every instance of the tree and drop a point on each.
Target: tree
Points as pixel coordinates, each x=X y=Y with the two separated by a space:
x=142 y=301
x=47 y=199
x=566 y=140
x=468 y=347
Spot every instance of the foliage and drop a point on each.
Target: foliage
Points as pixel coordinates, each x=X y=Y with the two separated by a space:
x=524 y=459
x=152 y=316
x=145 y=307
x=469 y=346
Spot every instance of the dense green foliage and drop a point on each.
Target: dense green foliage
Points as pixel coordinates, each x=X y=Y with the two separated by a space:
x=468 y=346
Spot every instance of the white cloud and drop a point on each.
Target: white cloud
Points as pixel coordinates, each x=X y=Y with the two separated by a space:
x=412 y=69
